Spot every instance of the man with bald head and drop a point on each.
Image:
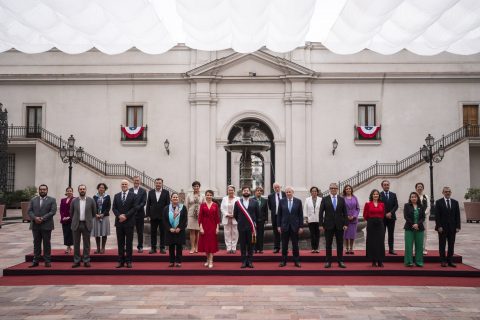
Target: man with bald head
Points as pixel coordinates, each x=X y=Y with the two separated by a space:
x=124 y=207
x=273 y=201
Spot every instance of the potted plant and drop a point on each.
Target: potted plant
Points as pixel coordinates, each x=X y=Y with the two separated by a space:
x=472 y=209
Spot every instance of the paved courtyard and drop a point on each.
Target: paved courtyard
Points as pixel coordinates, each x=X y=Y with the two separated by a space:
x=234 y=302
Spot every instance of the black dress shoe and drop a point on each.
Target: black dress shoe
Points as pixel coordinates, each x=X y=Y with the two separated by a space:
x=250 y=265
x=152 y=251
x=171 y=265
x=75 y=265
x=244 y=265
x=282 y=264
x=341 y=264
x=48 y=265
x=140 y=250
x=444 y=264
x=276 y=250
x=162 y=251
x=392 y=252
x=129 y=265
x=374 y=264
x=33 y=265
x=261 y=251
x=328 y=264
x=297 y=264
x=451 y=264
x=87 y=265
x=119 y=265
x=380 y=264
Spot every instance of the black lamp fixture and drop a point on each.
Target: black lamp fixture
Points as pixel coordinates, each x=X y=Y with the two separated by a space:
x=69 y=154
x=429 y=156
x=166 y=144
x=334 y=146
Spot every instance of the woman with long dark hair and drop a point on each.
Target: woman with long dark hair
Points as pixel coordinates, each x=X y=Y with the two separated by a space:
x=374 y=213
x=414 y=214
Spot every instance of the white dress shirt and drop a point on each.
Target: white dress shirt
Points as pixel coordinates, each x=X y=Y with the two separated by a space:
x=83 y=203
x=157 y=194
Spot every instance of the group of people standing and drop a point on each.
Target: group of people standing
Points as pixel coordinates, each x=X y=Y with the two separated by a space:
x=243 y=219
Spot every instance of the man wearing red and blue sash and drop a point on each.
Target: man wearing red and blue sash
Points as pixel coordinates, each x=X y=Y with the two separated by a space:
x=246 y=212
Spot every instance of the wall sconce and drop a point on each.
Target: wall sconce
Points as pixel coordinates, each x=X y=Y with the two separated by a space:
x=334 y=146
x=252 y=74
x=166 y=144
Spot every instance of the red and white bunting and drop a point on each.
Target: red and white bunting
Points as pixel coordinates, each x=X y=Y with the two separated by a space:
x=132 y=132
x=245 y=213
x=368 y=132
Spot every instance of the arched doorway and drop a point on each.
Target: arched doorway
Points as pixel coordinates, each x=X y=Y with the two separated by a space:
x=263 y=164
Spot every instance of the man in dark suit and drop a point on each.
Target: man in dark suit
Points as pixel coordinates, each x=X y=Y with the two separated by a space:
x=41 y=211
x=333 y=221
x=141 y=196
x=390 y=202
x=447 y=224
x=82 y=210
x=244 y=225
x=157 y=200
x=124 y=208
x=290 y=223
x=273 y=200
x=262 y=218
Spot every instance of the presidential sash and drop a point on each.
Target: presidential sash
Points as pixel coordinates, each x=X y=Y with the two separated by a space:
x=249 y=219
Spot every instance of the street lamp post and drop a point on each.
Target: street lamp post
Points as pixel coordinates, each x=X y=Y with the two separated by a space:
x=69 y=155
x=430 y=157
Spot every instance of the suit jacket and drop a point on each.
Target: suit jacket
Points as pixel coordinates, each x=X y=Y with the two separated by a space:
x=330 y=218
x=262 y=217
x=141 y=201
x=449 y=220
x=154 y=207
x=175 y=238
x=128 y=208
x=391 y=205
x=106 y=206
x=90 y=212
x=46 y=211
x=408 y=215
x=290 y=220
x=272 y=205
x=253 y=211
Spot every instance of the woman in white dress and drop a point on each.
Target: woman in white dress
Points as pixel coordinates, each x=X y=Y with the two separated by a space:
x=230 y=231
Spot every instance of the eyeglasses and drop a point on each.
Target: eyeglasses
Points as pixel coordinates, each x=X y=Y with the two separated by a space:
x=333 y=188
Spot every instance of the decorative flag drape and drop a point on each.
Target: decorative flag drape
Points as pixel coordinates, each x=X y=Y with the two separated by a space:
x=132 y=132
x=368 y=132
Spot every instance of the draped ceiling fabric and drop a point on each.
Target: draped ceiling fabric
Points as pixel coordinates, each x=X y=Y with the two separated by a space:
x=424 y=27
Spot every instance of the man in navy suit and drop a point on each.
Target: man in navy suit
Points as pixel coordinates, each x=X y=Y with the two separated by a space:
x=273 y=200
x=333 y=221
x=124 y=207
x=290 y=223
x=141 y=196
x=244 y=225
x=390 y=202
x=157 y=200
x=447 y=224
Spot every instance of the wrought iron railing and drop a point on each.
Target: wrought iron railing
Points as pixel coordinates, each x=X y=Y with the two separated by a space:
x=393 y=169
x=89 y=160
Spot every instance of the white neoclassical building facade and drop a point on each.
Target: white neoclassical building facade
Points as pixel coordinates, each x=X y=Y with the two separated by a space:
x=302 y=102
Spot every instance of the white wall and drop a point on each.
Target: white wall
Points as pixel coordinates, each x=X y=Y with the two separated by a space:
x=475 y=166
x=24 y=165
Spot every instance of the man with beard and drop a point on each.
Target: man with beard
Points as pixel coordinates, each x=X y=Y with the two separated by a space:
x=41 y=211
x=246 y=212
x=83 y=210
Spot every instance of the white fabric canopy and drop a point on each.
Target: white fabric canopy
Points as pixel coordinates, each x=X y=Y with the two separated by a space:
x=425 y=27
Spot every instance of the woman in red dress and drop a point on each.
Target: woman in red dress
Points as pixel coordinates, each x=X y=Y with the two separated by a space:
x=208 y=220
x=374 y=213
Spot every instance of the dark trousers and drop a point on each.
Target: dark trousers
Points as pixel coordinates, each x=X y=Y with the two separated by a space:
x=125 y=243
x=338 y=234
x=40 y=236
x=67 y=234
x=260 y=233
x=246 y=246
x=139 y=225
x=83 y=232
x=288 y=235
x=443 y=238
x=175 y=251
x=314 y=228
x=155 y=225
x=390 y=227
x=276 y=234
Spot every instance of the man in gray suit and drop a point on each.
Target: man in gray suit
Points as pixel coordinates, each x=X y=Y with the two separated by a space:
x=41 y=211
x=83 y=210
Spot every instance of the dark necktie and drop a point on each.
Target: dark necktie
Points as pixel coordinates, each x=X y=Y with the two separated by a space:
x=123 y=198
x=448 y=204
x=386 y=194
